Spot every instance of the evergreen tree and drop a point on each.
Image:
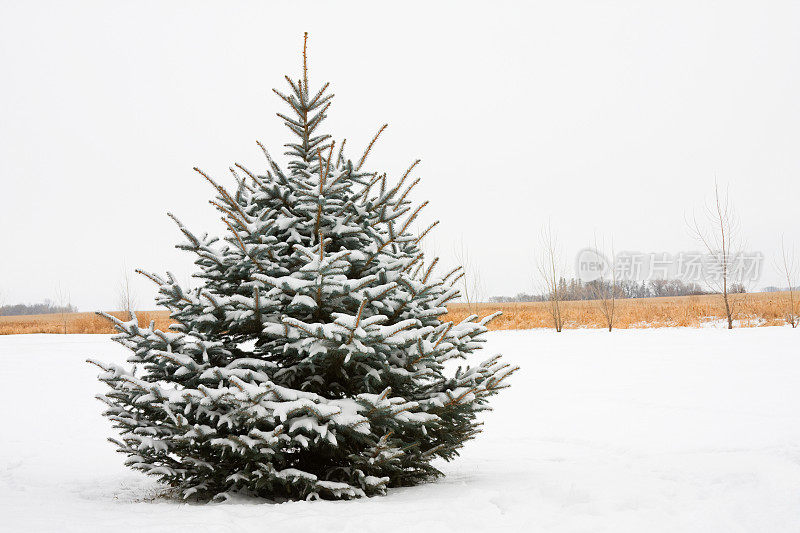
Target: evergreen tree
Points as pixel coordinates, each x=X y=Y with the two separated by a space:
x=311 y=360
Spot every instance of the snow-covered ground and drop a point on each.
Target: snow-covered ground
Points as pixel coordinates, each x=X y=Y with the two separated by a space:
x=637 y=430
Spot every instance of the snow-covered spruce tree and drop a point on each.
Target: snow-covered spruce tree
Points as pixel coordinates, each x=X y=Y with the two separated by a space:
x=311 y=360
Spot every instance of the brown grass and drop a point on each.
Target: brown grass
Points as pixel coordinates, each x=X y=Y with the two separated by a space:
x=75 y=322
x=756 y=309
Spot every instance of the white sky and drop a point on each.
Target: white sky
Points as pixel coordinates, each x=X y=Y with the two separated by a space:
x=606 y=118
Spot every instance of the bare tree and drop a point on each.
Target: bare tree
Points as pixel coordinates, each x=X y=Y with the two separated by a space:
x=549 y=263
x=788 y=269
x=605 y=292
x=471 y=281
x=126 y=300
x=720 y=237
x=64 y=305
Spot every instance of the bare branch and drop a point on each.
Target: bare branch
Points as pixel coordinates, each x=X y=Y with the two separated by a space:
x=372 y=142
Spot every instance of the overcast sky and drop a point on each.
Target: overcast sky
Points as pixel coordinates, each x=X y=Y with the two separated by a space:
x=604 y=118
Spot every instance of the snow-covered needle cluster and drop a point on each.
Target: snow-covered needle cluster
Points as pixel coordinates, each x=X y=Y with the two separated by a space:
x=310 y=362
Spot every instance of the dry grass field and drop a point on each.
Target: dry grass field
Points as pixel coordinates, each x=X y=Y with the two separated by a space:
x=751 y=310
x=74 y=322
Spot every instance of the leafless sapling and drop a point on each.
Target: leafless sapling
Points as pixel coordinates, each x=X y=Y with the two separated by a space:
x=550 y=266
x=126 y=300
x=603 y=291
x=471 y=281
x=787 y=265
x=720 y=236
x=63 y=305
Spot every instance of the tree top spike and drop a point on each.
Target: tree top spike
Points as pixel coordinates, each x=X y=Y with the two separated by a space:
x=305 y=64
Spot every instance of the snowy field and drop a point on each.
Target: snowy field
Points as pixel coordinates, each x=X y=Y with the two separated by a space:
x=638 y=430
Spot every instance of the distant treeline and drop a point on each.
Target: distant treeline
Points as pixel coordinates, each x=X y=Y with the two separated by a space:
x=45 y=308
x=773 y=288
x=575 y=289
